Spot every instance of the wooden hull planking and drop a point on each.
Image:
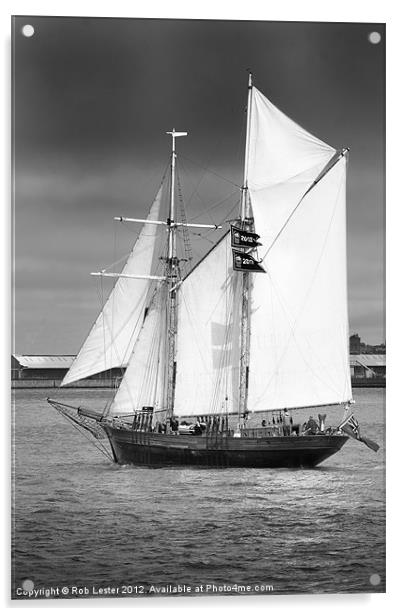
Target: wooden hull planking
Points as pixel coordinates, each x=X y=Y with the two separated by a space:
x=148 y=448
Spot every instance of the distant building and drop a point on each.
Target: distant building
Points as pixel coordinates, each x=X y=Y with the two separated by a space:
x=354 y=344
x=367 y=370
x=357 y=347
x=366 y=366
x=36 y=367
x=376 y=349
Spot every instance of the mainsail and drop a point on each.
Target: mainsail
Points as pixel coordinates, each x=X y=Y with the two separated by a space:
x=207 y=375
x=299 y=323
x=113 y=335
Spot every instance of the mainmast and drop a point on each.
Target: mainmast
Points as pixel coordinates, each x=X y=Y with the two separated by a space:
x=246 y=224
x=172 y=279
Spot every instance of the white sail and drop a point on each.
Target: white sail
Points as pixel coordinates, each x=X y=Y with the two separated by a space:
x=112 y=337
x=207 y=374
x=279 y=149
x=143 y=383
x=299 y=352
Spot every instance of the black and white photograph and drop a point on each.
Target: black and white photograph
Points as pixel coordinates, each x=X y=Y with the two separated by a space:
x=198 y=360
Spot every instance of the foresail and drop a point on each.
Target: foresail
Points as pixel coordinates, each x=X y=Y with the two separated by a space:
x=143 y=384
x=207 y=374
x=112 y=337
x=299 y=353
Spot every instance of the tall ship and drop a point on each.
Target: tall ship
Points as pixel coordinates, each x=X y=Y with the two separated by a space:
x=258 y=328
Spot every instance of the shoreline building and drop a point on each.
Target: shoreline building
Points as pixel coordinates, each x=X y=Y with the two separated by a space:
x=367 y=370
x=357 y=347
x=49 y=371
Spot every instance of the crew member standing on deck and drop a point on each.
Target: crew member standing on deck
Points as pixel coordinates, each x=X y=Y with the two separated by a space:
x=311 y=426
x=286 y=423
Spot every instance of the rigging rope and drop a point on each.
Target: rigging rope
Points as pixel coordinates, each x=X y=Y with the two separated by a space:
x=210 y=171
x=215 y=205
x=84 y=427
x=312 y=185
x=184 y=229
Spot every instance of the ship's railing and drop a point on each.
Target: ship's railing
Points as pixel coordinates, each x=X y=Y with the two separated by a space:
x=278 y=430
x=138 y=422
x=122 y=422
x=142 y=423
x=261 y=432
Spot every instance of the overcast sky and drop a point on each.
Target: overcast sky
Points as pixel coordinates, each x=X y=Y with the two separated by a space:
x=93 y=99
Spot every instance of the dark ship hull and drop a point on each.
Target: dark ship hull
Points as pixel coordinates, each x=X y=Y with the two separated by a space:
x=149 y=448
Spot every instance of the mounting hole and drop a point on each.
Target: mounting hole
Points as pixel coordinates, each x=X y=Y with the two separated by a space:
x=28 y=30
x=28 y=585
x=375 y=579
x=374 y=38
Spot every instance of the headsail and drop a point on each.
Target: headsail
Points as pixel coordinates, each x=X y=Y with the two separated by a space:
x=208 y=336
x=299 y=325
x=112 y=337
x=144 y=381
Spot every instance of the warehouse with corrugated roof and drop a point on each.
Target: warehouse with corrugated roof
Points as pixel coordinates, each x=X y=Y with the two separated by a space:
x=368 y=366
x=34 y=367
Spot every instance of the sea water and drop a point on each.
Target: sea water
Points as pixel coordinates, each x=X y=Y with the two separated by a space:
x=83 y=526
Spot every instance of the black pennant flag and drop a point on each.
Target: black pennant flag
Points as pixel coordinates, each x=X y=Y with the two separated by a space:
x=244 y=262
x=243 y=239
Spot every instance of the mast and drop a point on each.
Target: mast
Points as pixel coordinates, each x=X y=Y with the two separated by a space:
x=172 y=278
x=246 y=224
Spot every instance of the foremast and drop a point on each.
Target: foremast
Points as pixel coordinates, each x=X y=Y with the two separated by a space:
x=172 y=279
x=246 y=225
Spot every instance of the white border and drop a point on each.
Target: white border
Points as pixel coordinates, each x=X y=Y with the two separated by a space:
x=285 y=10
